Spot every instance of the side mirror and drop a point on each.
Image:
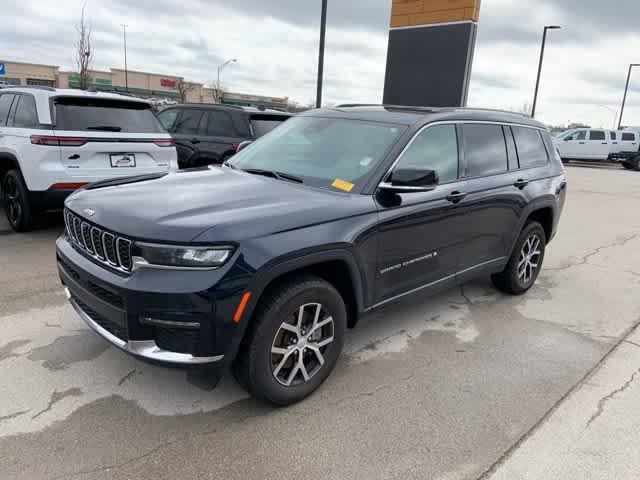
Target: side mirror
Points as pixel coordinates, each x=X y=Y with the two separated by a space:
x=411 y=180
x=243 y=145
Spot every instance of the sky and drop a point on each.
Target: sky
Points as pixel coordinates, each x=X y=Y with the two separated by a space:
x=276 y=45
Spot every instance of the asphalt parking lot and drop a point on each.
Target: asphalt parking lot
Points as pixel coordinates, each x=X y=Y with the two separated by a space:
x=427 y=388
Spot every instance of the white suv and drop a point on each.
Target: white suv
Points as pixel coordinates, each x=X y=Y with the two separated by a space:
x=54 y=141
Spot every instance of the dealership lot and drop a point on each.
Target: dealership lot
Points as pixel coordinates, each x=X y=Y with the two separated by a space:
x=438 y=387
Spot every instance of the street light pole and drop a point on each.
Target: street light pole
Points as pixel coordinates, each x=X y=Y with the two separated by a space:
x=220 y=68
x=615 y=112
x=626 y=89
x=323 y=32
x=544 y=41
x=126 y=72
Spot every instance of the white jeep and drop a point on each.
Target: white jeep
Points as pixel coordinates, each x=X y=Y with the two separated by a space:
x=54 y=141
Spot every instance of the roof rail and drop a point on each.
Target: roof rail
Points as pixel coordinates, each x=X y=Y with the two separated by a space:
x=35 y=87
x=403 y=107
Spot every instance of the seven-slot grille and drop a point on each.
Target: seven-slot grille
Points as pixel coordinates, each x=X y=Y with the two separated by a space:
x=104 y=246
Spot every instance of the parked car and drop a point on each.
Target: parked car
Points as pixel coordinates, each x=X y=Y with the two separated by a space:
x=261 y=264
x=210 y=134
x=53 y=141
x=601 y=146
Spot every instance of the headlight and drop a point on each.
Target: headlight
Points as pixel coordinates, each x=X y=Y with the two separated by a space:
x=149 y=255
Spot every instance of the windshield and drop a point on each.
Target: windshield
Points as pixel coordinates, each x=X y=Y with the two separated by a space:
x=82 y=114
x=323 y=152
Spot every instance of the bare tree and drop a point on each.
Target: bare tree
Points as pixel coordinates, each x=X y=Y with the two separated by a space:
x=83 y=50
x=183 y=89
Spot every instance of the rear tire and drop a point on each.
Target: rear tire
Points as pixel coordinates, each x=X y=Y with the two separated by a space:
x=635 y=164
x=16 y=202
x=525 y=263
x=286 y=354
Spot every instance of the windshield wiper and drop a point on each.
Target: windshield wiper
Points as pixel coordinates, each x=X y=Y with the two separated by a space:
x=274 y=174
x=105 y=128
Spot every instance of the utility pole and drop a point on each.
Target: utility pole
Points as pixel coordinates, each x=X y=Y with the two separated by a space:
x=544 y=42
x=323 y=31
x=126 y=72
x=626 y=89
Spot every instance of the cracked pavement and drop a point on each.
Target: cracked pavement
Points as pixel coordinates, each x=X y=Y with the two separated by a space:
x=466 y=384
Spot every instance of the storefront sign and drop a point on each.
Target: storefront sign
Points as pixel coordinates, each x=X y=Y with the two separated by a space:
x=2 y=68
x=167 y=83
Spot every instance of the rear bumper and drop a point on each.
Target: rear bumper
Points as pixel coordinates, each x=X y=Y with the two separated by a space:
x=51 y=199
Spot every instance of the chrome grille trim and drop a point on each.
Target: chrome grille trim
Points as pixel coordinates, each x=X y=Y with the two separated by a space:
x=124 y=264
x=86 y=235
x=94 y=242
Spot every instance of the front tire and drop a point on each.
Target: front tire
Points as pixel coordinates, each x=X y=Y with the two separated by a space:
x=525 y=263
x=16 y=202
x=295 y=341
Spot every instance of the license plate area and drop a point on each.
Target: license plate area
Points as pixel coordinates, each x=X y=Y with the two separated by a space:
x=122 y=160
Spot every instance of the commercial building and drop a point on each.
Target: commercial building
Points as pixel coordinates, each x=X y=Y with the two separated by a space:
x=141 y=84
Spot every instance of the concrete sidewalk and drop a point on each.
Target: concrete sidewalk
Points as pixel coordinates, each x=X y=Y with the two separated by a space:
x=594 y=433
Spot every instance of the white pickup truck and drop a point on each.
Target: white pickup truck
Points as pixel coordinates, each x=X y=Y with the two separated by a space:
x=620 y=146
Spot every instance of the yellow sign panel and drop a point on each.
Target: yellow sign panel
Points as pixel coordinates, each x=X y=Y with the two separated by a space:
x=424 y=12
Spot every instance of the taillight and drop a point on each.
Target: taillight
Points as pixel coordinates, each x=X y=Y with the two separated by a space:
x=55 y=141
x=164 y=142
x=235 y=146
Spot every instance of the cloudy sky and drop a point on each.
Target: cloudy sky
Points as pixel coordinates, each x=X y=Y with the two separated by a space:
x=276 y=41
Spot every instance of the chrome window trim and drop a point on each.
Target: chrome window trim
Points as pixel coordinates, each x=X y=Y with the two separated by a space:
x=453 y=122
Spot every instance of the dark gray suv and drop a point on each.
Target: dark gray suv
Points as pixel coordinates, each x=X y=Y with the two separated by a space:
x=208 y=134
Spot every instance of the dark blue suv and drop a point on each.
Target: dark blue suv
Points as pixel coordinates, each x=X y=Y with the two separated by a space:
x=261 y=264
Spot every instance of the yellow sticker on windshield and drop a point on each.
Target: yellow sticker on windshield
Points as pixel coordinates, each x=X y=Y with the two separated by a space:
x=342 y=185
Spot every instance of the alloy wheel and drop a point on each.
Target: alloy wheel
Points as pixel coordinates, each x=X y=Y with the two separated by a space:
x=13 y=201
x=529 y=260
x=297 y=351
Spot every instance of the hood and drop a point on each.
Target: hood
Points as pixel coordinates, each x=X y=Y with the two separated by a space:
x=229 y=205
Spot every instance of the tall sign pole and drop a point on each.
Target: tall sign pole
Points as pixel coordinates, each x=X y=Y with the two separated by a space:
x=323 y=31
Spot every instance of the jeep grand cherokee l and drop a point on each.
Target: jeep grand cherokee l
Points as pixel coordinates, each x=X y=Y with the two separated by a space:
x=53 y=141
x=262 y=263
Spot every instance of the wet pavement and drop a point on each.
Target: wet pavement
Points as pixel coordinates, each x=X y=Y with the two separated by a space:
x=437 y=387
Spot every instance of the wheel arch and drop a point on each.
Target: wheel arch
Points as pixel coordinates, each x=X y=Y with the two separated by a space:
x=338 y=267
x=8 y=162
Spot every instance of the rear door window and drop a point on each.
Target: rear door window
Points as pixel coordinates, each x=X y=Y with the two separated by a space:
x=5 y=105
x=93 y=114
x=26 y=115
x=220 y=124
x=597 y=135
x=531 y=149
x=484 y=150
x=188 y=123
x=628 y=137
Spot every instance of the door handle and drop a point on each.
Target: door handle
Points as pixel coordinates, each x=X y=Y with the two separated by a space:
x=75 y=156
x=521 y=183
x=456 y=197
x=195 y=140
x=604 y=143
x=581 y=143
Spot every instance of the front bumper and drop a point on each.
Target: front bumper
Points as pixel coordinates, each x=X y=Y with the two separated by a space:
x=147 y=349
x=180 y=318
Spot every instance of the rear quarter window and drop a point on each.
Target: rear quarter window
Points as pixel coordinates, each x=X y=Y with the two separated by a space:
x=628 y=137
x=80 y=114
x=262 y=126
x=26 y=115
x=530 y=146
